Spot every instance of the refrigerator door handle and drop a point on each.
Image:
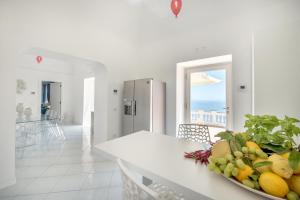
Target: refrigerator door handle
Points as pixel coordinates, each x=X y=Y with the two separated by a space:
x=134 y=107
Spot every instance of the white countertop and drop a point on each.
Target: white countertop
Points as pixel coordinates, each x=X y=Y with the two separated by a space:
x=161 y=158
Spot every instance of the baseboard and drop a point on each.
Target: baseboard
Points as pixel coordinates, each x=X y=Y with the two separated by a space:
x=6 y=183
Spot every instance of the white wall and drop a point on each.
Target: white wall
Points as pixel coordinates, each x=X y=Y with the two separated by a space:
x=102 y=98
x=7 y=108
x=201 y=33
x=70 y=74
x=7 y=122
x=103 y=31
x=81 y=71
x=48 y=70
x=88 y=100
x=277 y=70
x=161 y=63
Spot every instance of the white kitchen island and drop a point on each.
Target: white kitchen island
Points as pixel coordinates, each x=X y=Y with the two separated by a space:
x=161 y=158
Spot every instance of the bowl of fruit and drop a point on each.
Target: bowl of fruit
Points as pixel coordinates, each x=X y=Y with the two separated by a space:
x=264 y=159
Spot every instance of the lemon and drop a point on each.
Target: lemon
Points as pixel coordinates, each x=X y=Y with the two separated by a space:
x=273 y=184
x=263 y=168
x=220 y=149
x=244 y=173
x=252 y=145
x=280 y=166
x=286 y=155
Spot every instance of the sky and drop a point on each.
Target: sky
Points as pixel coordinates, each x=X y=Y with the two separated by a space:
x=212 y=92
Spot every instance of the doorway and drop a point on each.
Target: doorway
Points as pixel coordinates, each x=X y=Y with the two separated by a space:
x=208 y=96
x=51 y=99
x=88 y=101
x=204 y=93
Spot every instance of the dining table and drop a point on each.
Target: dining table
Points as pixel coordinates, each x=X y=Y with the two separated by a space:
x=29 y=129
x=35 y=119
x=161 y=159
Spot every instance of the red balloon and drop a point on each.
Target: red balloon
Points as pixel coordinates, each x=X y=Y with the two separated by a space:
x=176 y=6
x=39 y=59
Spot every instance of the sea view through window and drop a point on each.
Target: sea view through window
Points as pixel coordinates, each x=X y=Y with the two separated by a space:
x=208 y=98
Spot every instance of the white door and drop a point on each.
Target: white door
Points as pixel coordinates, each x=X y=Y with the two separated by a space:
x=55 y=98
x=209 y=96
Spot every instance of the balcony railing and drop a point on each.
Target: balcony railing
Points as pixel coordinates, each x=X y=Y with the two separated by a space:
x=211 y=118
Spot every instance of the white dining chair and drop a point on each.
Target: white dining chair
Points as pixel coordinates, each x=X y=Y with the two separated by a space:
x=52 y=125
x=194 y=132
x=134 y=189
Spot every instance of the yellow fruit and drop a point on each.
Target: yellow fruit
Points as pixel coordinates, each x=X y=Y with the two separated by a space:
x=286 y=155
x=244 y=173
x=294 y=183
x=220 y=149
x=253 y=145
x=280 y=166
x=263 y=168
x=273 y=184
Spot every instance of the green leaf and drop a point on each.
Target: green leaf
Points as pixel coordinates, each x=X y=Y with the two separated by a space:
x=226 y=135
x=254 y=177
x=271 y=133
x=261 y=164
x=294 y=159
x=274 y=148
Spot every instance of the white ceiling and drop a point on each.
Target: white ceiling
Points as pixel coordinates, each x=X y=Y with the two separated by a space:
x=157 y=20
x=206 y=8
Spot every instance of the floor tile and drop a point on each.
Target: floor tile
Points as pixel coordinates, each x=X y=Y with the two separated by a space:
x=93 y=167
x=97 y=194
x=30 y=172
x=115 y=193
x=97 y=180
x=116 y=179
x=36 y=162
x=41 y=185
x=105 y=166
x=63 y=160
x=56 y=170
x=31 y=197
x=59 y=169
x=69 y=183
x=16 y=189
x=7 y=198
x=71 y=195
x=81 y=168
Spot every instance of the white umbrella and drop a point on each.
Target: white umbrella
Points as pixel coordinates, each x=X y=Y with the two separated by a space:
x=202 y=78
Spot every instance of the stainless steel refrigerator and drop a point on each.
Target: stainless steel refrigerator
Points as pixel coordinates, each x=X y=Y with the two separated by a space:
x=144 y=105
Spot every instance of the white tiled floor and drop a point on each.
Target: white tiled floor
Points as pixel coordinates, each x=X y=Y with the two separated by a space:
x=64 y=170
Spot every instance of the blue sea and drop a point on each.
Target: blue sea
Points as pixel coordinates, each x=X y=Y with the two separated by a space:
x=208 y=106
